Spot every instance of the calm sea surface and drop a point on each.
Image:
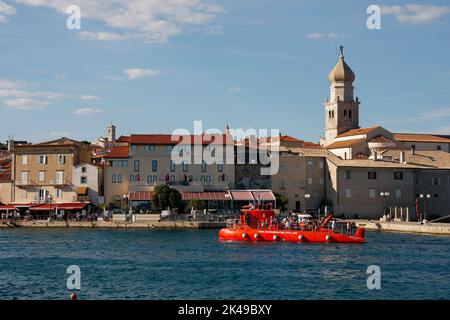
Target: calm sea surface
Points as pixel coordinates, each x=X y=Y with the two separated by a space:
x=155 y=264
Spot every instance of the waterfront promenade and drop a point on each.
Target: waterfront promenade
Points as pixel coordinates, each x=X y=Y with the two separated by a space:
x=150 y=221
x=407 y=227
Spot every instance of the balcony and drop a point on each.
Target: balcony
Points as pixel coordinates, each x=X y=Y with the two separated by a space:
x=58 y=183
x=25 y=183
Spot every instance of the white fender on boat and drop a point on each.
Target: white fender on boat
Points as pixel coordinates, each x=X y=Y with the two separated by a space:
x=244 y=235
x=301 y=237
x=257 y=236
x=328 y=238
x=275 y=237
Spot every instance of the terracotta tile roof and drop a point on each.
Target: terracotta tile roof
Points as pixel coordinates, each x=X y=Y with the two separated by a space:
x=355 y=132
x=167 y=139
x=308 y=144
x=123 y=139
x=118 y=152
x=418 y=137
x=381 y=138
x=287 y=138
x=344 y=144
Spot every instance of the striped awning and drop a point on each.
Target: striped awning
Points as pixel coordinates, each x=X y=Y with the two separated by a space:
x=140 y=196
x=62 y=206
x=252 y=195
x=212 y=195
x=263 y=195
x=242 y=195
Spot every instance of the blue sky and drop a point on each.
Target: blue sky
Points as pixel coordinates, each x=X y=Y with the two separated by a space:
x=154 y=66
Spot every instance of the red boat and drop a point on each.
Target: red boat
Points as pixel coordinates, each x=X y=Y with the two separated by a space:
x=260 y=224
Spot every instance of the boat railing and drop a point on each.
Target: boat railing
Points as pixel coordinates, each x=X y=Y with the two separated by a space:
x=276 y=225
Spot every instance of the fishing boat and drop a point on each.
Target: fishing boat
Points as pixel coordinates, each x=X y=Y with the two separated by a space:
x=259 y=223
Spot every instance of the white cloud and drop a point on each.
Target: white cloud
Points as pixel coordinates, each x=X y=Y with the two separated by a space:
x=90 y=97
x=150 y=21
x=101 y=36
x=329 y=35
x=26 y=104
x=415 y=13
x=137 y=73
x=87 y=111
x=5 y=11
x=23 y=96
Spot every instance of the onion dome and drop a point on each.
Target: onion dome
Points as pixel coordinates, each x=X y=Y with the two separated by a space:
x=341 y=71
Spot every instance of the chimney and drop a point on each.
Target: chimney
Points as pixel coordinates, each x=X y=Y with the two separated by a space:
x=402 y=156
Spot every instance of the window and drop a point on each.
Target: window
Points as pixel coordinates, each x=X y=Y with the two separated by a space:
x=417 y=180
x=149 y=148
x=310 y=164
x=398 y=175
x=398 y=193
x=322 y=181
x=345 y=114
x=42 y=159
x=83 y=169
x=61 y=159
x=83 y=180
x=169 y=148
x=124 y=163
x=349 y=114
x=59 y=193
x=132 y=178
x=321 y=163
x=348 y=193
x=203 y=166
x=154 y=165
x=281 y=184
x=172 y=178
x=436 y=181
x=41 y=176
x=133 y=147
x=119 y=178
x=436 y=195
x=372 y=193
x=348 y=175
x=185 y=167
x=24 y=176
x=59 y=177
x=310 y=181
x=372 y=175
x=114 y=178
x=152 y=178
x=220 y=167
x=136 y=165
x=439 y=147
x=25 y=159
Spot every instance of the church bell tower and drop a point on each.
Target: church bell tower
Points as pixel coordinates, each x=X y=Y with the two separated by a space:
x=341 y=109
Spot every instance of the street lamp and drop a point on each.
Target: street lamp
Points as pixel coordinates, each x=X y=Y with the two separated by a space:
x=125 y=198
x=307 y=196
x=425 y=197
x=385 y=195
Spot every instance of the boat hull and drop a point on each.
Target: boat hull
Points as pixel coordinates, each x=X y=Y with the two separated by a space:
x=321 y=236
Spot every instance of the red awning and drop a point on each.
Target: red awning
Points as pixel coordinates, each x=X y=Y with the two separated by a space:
x=62 y=206
x=243 y=195
x=140 y=196
x=218 y=195
x=8 y=207
x=263 y=195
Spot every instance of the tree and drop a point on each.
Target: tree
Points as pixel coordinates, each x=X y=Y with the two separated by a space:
x=282 y=201
x=166 y=196
x=196 y=204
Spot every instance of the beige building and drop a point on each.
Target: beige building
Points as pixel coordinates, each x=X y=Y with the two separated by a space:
x=43 y=172
x=147 y=161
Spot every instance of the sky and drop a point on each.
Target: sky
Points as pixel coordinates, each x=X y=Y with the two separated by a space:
x=153 y=66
